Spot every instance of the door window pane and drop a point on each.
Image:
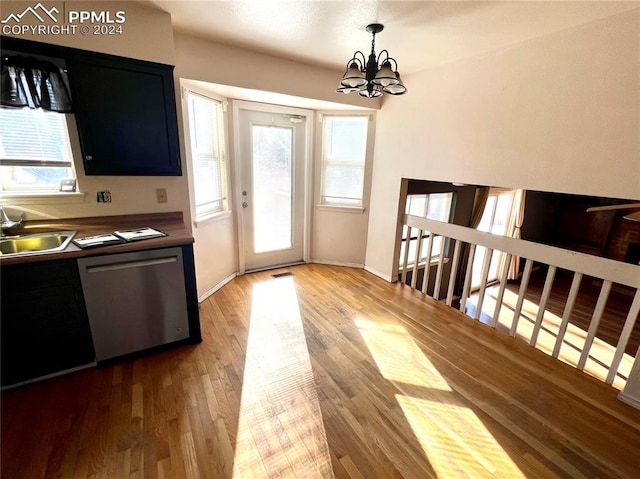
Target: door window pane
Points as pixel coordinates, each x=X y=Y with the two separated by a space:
x=272 y=188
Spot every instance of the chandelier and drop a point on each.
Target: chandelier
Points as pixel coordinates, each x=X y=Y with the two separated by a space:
x=375 y=76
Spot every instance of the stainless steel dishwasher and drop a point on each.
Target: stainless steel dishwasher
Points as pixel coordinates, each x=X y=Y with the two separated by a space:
x=135 y=301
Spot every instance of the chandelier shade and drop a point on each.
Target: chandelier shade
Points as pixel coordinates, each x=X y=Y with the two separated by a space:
x=374 y=76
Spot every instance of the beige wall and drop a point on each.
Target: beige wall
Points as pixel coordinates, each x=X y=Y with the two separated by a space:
x=205 y=60
x=146 y=33
x=558 y=113
x=339 y=235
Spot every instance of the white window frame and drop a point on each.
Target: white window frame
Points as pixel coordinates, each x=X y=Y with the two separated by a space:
x=497 y=261
x=357 y=206
x=414 y=241
x=50 y=195
x=203 y=214
x=9 y=190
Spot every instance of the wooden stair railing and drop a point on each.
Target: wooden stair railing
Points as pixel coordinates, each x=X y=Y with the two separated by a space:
x=609 y=271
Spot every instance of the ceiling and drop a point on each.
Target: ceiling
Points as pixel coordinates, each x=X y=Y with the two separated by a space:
x=418 y=34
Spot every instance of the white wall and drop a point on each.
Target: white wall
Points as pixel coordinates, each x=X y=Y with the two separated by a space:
x=558 y=113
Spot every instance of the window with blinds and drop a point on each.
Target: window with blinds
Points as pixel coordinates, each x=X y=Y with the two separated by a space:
x=35 y=153
x=343 y=159
x=206 y=132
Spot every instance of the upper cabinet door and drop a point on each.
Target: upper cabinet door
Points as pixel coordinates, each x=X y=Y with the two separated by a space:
x=126 y=115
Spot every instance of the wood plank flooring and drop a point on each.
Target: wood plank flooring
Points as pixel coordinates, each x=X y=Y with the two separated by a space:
x=607 y=335
x=330 y=372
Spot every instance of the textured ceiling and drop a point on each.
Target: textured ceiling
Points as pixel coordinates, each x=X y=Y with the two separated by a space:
x=418 y=34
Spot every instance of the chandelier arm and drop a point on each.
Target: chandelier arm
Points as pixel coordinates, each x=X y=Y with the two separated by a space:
x=363 y=62
x=355 y=60
x=380 y=59
x=395 y=63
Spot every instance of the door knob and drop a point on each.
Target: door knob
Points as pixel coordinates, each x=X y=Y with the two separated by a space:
x=245 y=204
x=244 y=193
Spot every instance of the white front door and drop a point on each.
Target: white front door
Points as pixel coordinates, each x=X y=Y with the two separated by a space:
x=271 y=182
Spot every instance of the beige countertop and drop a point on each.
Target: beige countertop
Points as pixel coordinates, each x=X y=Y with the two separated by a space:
x=170 y=223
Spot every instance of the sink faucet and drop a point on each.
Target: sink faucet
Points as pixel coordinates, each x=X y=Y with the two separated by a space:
x=6 y=222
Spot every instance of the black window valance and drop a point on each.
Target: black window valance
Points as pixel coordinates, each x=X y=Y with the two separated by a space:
x=33 y=83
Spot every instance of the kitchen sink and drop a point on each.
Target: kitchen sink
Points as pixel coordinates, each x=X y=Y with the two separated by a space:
x=35 y=243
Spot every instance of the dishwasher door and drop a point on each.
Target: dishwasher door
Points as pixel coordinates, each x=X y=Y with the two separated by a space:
x=135 y=301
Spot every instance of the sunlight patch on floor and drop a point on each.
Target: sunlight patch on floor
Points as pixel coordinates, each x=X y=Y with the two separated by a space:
x=407 y=364
x=601 y=353
x=455 y=442
x=280 y=429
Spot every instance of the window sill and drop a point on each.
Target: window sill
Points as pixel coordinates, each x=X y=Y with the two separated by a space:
x=43 y=198
x=341 y=209
x=422 y=264
x=221 y=215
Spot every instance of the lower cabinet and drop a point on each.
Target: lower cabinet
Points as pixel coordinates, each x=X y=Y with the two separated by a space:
x=43 y=320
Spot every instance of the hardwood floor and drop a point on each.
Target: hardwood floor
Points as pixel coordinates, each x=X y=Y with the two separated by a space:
x=607 y=335
x=330 y=372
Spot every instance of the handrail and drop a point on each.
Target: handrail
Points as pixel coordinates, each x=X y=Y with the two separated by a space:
x=609 y=271
x=603 y=268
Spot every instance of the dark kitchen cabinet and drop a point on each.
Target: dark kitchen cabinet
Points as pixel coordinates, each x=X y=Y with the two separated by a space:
x=126 y=115
x=44 y=321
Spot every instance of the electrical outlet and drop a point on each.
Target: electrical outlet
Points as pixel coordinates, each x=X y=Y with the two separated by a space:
x=161 y=194
x=103 y=196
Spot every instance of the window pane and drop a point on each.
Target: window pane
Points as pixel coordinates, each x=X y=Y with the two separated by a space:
x=346 y=138
x=439 y=206
x=28 y=134
x=417 y=205
x=343 y=183
x=503 y=213
x=272 y=188
x=434 y=206
x=487 y=214
x=28 y=139
x=36 y=177
x=206 y=181
x=343 y=158
x=206 y=135
x=204 y=127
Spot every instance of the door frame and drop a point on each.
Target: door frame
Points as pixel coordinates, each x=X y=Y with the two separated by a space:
x=307 y=170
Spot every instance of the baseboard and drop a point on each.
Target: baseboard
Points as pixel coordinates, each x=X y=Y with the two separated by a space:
x=338 y=263
x=630 y=400
x=380 y=275
x=216 y=287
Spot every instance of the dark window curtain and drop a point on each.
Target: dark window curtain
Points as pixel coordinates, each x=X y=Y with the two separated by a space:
x=28 y=82
x=479 y=203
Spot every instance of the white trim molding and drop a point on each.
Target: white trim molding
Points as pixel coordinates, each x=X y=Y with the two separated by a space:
x=216 y=287
x=380 y=275
x=338 y=263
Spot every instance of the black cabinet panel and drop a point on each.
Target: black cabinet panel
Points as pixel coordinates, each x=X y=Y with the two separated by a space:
x=126 y=115
x=44 y=321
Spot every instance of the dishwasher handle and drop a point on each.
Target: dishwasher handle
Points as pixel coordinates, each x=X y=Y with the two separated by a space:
x=130 y=264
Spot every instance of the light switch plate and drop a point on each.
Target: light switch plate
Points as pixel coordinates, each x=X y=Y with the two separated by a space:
x=161 y=195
